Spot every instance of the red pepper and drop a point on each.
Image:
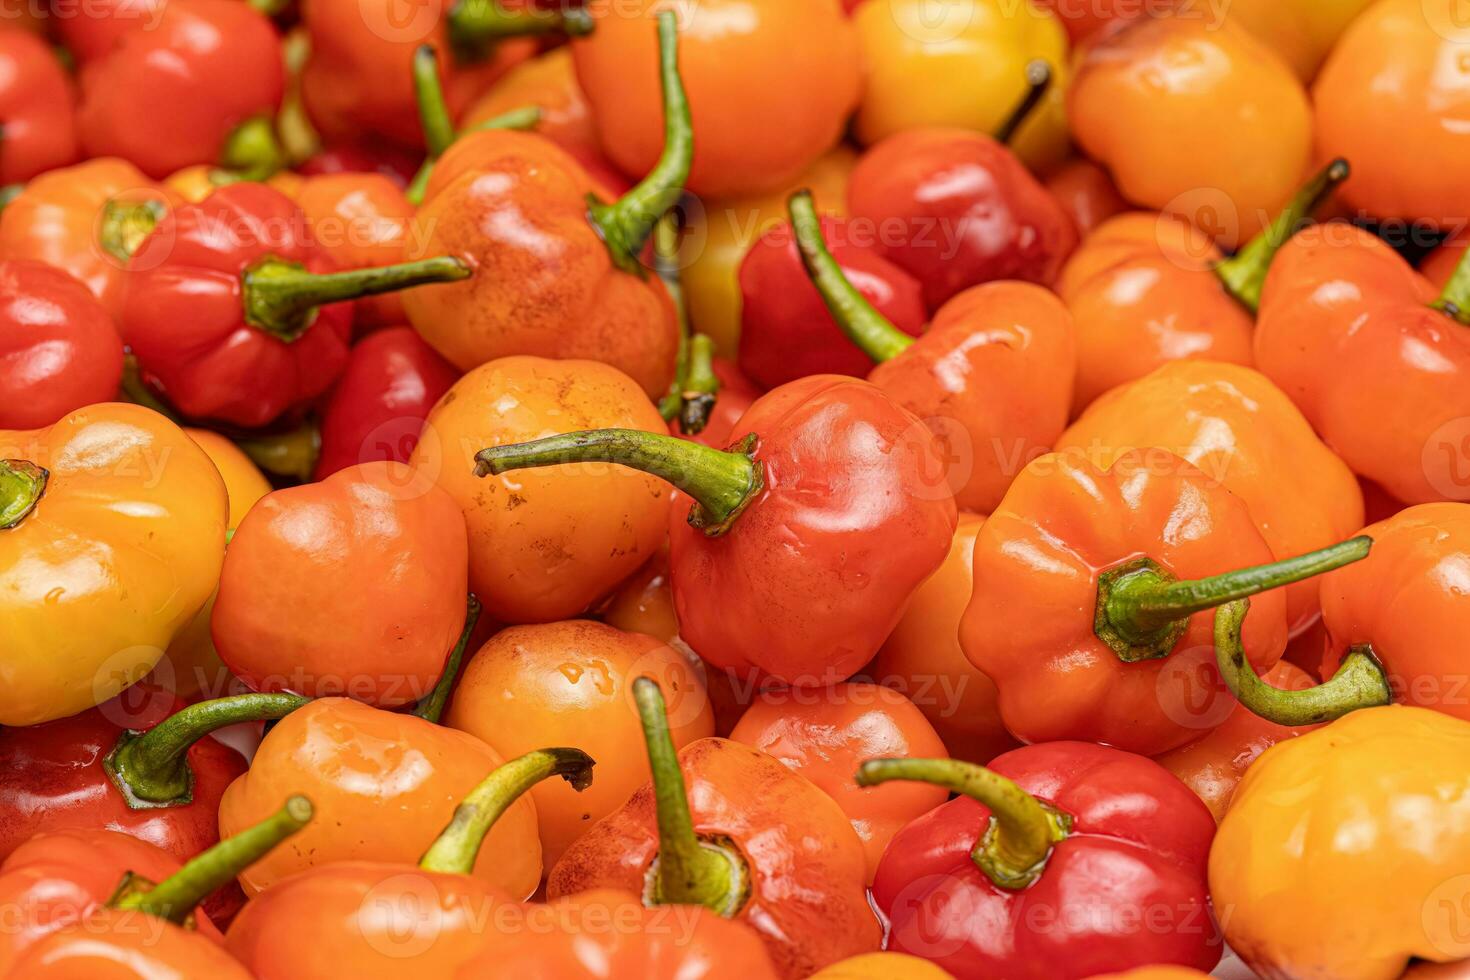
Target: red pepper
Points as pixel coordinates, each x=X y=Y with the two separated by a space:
x=199 y=86
x=37 y=108
x=58 y=348
x=956 y=209
x=785 y=330
x=222 y=307
x=806 y=538
x=378 y=407
x=95 y=34
x=371 y=157
x=1061 y=860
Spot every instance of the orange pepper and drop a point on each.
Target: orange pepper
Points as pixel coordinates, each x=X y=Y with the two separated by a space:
x=1344 y=851
x=922 y=658
x=545 y=546
x=1086 y=193
x=882 y=966
x=1241 y=430
x=826 y=733
x=568 y=684
x=384 y=784
x=1155 y=973
x=361 y=221
x=771 y=84
x=644 y=603
x=1302 y=32
x=1194 y=119
x=750 y=840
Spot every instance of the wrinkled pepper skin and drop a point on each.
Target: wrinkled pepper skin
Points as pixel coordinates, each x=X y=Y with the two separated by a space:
x=36 y=107
x=1135 y=853
x=1343 y=853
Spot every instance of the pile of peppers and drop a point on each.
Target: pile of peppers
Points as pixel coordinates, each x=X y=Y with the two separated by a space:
x=735 y=490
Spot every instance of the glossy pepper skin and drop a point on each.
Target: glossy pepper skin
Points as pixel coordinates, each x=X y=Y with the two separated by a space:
x=119 y=547
x=1289 y=858
x=1086 y=193
x=882 y=966
x=126 y=945
x=36 y=108
x=1123 y=842
x=359 y=220
x=373 y=561
x=215 y=64
x=1245 y=434
x=956 y=209
x=1195 y=119
x=58 y=348
x=1345 y=327
x=785 y=331
x=969 y=60
x=771 y=84
x=377 y=409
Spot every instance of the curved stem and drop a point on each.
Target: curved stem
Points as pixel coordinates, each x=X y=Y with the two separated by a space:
x=626 y=224
x=701 y=386
x=688 y=870
x=1244 y=274
x=429 y=93
x=870 y=330
x=721 y=482
x=1038 y=82
x=524 y=117
x=252 y=151
x=151 y=769
x=1360 y=681
x=281 y=297
x=1013 y=849
x=22 y=484
x=174 y=898
x=1142 y=610
x=455 y=850
x=475 y=25
x=1454 y=302
x=431 y=707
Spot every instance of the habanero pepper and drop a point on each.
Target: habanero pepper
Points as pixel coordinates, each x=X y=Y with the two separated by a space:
x=37 y=110
x=882 y=966
x=359 y=221
x=786 y=561
x=1110 y=574
x=363 y=156
x=991 y=376
x=729 y=828
x=1058 y=861
x=1086 y=193
x=236 y=315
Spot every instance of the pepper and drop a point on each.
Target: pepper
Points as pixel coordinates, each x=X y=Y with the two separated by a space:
x=360 y=221
x=1306 y=899
x=246 y=325
x=1058 y=861
x=568 y=683
x=1244 y=433
x=384 y=784
x=144 y=931
x=781 y=563
x=1147 y=289
x=882 y=966
x=736 y=394
x=969 y=61
x=1092 y=595
x=825 y=734
x=772 y=84
x=1086 y=193
x=377 y=408
x=1195 y=119
x=347 y=918
x=749 y=840
x=58 y=348
x=216 y=65
x=545 y=546
x=991 y=376
x=1301 y=32
x=922 y=658
x=37 y=111
x=363 y=156
x=112 y=525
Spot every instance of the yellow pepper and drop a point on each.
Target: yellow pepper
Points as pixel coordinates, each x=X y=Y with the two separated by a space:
x=882 y=966
x=112 y=532
x=1346 y=852
x=1300 y=31
x=962 y=64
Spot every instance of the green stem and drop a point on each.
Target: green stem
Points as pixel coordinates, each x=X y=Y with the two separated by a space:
x=151 y=769
x=22 y=484
x=1244 y=274
x=269 y=8
x=1360 y=681
x=9 y=193
x=281 y=297
x=870 y=330
x=626 y=224
x=1454 y=302
x=689 y=869
x=433 y=110
x=1038 y=81
x=1142 y=610
x=252 y=151
x=475 y=25
x=721 y=482
x=125 y=224
x=701 y=386
x=292 y=454
x=455 y=850
x=666 y=264
x=175 y=897
x=525 y=117
x=431 y=707
x=1013 y=850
